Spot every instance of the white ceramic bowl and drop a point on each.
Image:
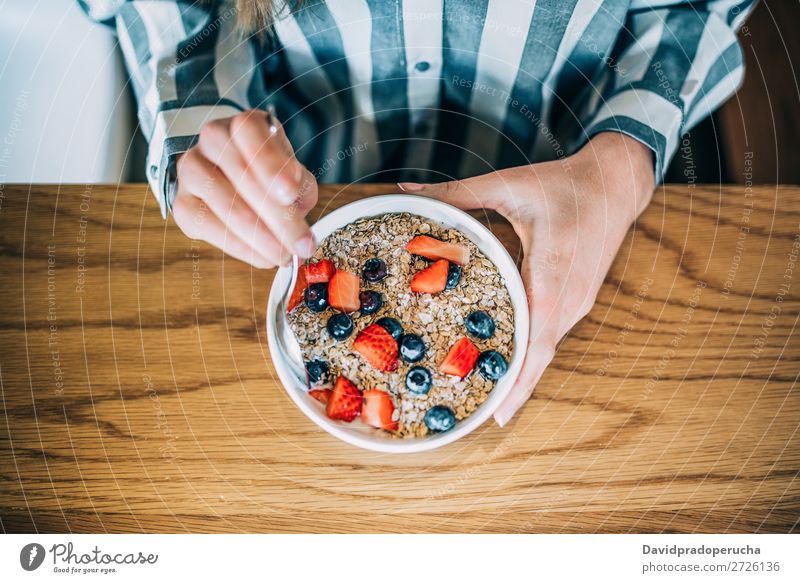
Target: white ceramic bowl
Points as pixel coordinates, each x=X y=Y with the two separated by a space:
x=357 y=433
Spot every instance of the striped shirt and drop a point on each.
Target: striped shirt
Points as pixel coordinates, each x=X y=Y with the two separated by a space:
x=429 y=90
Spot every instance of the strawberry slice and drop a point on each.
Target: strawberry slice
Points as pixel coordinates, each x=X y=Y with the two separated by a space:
x=432 y=279
x=343 y=289
x=377 y=409
x=435 y=249
x=299 y=290
x=322 y=395
x=320 y=272
x=379 y=348
x=461 y=358
x=344 y=402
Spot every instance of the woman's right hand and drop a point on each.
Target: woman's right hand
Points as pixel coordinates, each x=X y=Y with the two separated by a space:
x=241 y=189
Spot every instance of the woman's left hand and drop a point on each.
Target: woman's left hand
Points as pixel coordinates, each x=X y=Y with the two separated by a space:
x=571 y=216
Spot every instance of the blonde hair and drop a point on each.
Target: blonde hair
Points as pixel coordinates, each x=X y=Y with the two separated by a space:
x=258 y=15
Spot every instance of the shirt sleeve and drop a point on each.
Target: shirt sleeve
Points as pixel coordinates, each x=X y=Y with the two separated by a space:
x=188 y=65
x=673 y=65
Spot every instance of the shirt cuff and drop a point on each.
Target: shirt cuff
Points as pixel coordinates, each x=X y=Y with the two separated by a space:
x=175 y=132
x=644 y=115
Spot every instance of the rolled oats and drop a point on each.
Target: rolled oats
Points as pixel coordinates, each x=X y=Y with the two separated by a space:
x=438 y=319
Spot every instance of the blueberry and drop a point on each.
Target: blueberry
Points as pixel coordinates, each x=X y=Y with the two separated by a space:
x=412 y=348
x=375 y=270
x=340 y=326
x=317 y=370
x=480 y=325
x=419 y=380
x=439 y=418
x=453 y=276
x=371 y=301
x=392 y=326
x=492 y=365
x=317 y=297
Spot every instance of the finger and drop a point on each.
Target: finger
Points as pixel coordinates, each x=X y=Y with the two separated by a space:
x=459 y=193
x=269 y=155
x=286 y=224
x=216 y=145
x=198 y=222
x=283 y=182
x=542 y=339
x=309 y=193
x=480 y=192
x=200 y=178
x=536 y=361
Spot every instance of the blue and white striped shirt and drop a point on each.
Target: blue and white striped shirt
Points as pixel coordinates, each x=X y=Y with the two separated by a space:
x=429 y=90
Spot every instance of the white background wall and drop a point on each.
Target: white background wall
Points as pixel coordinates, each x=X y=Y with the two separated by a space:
x=65 y=112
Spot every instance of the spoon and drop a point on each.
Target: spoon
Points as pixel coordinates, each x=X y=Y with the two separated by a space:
x=288 y=347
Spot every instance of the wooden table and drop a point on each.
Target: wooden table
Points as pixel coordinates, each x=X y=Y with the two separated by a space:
x=138 y=393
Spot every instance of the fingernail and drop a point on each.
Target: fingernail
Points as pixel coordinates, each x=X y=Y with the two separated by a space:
x=298 y=173
x=410 y=186
x=500 y=420
x=304 y=248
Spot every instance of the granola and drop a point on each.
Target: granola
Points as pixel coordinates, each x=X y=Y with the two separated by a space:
x=437 y=318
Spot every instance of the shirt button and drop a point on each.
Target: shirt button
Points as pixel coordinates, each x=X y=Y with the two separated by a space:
x=154 y=171
x=422 y=66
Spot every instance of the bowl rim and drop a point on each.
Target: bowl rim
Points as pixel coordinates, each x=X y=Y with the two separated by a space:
x=345 y=215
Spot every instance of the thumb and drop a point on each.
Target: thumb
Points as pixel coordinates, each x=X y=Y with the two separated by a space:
x=463 y=194
x=536 y=361
x=541 y=348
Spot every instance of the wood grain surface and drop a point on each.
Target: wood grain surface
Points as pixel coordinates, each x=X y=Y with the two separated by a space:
x=138 y=394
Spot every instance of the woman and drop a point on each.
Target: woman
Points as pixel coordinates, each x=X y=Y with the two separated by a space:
x=560 y=114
